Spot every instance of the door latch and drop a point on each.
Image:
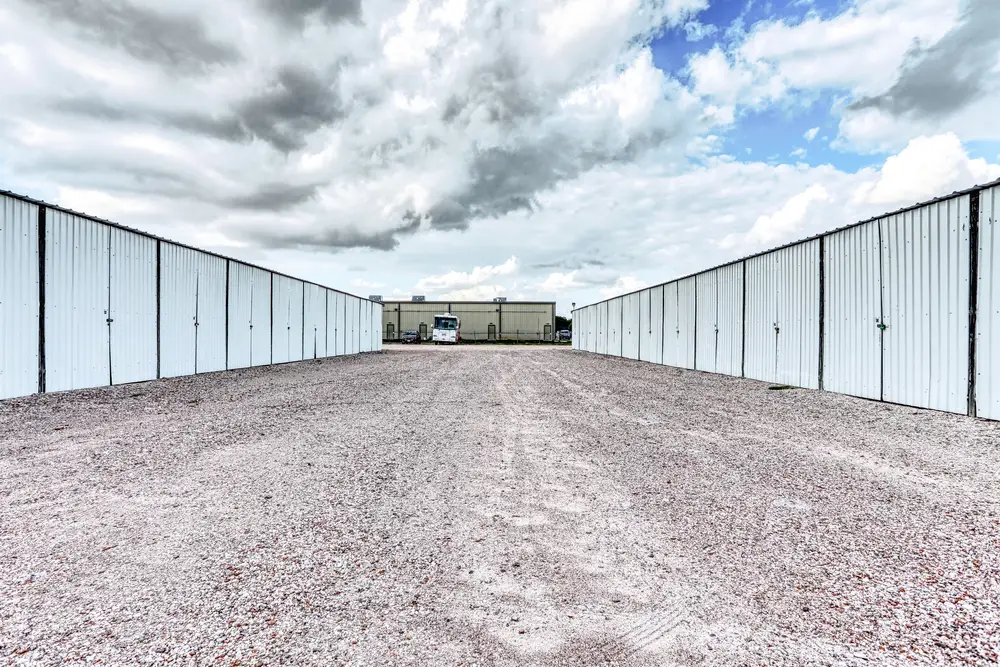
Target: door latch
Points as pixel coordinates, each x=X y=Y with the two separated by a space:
x=882 y=326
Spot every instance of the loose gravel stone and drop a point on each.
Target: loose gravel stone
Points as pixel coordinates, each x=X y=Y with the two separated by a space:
x=493 y=506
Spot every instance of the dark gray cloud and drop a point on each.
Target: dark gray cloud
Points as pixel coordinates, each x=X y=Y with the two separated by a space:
x=117 y=173
x=295 y=12
x=505 y=180
x=945 y=77
x=274 y=197
x=179 y=43
x=297 y=103
x=498 y=88
x=324 y=238
x=226 y=128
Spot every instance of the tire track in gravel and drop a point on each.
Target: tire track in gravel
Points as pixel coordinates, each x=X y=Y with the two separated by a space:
x=575 y=581
x=827 y=560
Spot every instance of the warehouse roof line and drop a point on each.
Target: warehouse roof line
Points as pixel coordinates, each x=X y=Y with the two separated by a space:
x=906 y=209
x=94 y=218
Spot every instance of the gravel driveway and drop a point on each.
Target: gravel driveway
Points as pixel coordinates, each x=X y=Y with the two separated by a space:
x=493 y=506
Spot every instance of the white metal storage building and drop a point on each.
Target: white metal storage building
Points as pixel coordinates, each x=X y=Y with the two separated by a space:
x=86 y=303
x=903 y=308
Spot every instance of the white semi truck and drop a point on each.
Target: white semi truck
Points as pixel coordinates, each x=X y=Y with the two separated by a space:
x=447 y=329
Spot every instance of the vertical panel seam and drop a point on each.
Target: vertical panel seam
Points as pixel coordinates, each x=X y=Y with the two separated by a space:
x=822 y=307
x=743 y=351
x=227 y=313
x=41 y=222
x=881 y=314
x=111 y=373
x=973 y=297
x=158 y=308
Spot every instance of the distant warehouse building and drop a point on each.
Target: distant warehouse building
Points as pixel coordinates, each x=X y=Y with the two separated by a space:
x=480 y=320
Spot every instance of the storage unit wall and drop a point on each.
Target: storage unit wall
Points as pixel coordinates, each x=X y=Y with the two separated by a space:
x=901 y=308
x=87 y=303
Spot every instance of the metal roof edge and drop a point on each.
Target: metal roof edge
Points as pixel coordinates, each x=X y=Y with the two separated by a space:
x=94 y=218
x=790 y=244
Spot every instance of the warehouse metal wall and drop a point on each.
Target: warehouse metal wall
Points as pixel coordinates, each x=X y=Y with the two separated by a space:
x=925 y=292
x=630 y=326
x=19 y=309
x=852 y=358
x=314 y=331
x=77 y=291
x=902 y=308
x=729 y=319
x=987 y=387
x=133 y=307
x=87 y=303
x=615 y=327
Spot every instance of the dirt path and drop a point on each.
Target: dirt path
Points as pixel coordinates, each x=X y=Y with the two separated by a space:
x=493 y=506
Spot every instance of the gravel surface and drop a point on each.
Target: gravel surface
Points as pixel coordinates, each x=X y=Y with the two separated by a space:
x=493 y=506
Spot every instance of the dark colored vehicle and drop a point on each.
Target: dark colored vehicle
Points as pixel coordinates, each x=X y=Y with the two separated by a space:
x=565 y=334
x=410 y=336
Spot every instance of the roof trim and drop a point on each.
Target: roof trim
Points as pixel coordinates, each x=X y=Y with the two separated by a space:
x=92 y=218
x=907 y=209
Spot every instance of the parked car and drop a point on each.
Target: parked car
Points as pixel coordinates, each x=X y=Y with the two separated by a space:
x=411 y=336
x=565 y=334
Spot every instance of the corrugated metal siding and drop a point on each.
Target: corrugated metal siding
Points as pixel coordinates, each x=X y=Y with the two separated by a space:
x=178 y=310
x=527 y=321
x=192 y=311
x=77 y=290
x=707 y=330
x=366 y=326
x=645 y=331
x=600 y=328
x=798 y=315
x=615 y=327
x=679 y=324
x=762 y=280
x=671 y=333
x=686 y=307
x=19 y=276
x=240 y=309
x=315 y=322
x=260 y=316
x=334 y=322
x=852 y=342
x=286 y=331
x=988 y=311
x=783 y=316
x=211 y=334
x=630 y=326
x=656 y=324
x=133 y=307
x=729 y=318
x=592 y=329
x=352 y=307
x=377 y=327
x=925 y=289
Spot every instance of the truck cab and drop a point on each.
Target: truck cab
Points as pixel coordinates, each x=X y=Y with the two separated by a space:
x=447 y=329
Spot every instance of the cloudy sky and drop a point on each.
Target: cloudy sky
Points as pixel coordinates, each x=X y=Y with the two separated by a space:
x=553 y=149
